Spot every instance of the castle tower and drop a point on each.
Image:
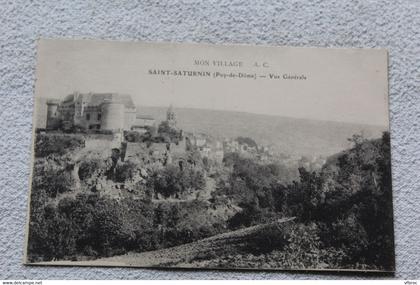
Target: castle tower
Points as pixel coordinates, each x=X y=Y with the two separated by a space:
x=170 y=117
x=78 y=104
x=112 y=117
x=53 y=118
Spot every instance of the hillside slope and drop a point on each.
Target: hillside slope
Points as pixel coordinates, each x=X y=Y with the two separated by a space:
x=211 y=248
x=287 y=135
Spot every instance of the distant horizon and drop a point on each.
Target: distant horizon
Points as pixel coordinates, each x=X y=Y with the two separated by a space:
x=291 y=135
x=261 y=114
x=225 y=110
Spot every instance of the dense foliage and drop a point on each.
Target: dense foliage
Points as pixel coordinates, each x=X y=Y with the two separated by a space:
x=348 y=202
x=135 y=136
x=247 y=141
x=172 y=181
x=343 y=211
x=168 y=133
x=49 y=144
x=88 y=225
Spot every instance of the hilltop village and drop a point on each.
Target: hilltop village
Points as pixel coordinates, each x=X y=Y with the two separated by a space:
x=112 y=130
x=110 y=181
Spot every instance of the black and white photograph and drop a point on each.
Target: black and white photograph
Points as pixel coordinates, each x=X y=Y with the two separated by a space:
x=211 y=157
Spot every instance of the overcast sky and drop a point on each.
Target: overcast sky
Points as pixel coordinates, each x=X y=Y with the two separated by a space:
x=342 y=85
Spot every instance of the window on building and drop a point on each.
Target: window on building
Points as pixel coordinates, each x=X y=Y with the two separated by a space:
x=88 y=117
x=99 y=117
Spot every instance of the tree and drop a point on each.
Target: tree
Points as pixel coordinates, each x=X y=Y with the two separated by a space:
x=125 y=171
x=165 y=130
x=89 y=166
x=47 y=144
x=172 y=181
x=53 y=179
x=247 y=141
x=132 y=136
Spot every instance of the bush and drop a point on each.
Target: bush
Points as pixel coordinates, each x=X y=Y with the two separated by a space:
x=271 y=237
x=245 y=218
x=88 y=167
x=166 y=131
x=52 y=179
x=89 y=225
x=46 y=144
x=247 y=141
x=125 y=171
x=172 y=181
x=132 y=136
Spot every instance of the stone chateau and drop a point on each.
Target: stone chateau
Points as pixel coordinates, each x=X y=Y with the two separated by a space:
x=96 y=111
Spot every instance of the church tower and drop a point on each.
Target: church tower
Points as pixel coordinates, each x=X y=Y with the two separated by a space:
x=170 y=117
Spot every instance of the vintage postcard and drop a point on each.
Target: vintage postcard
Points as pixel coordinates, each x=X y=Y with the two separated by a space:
x=210 y=156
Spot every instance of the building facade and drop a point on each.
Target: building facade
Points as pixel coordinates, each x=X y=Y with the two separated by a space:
x=94 y=111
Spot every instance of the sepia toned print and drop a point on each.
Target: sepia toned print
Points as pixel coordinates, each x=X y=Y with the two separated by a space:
x=206 y=156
